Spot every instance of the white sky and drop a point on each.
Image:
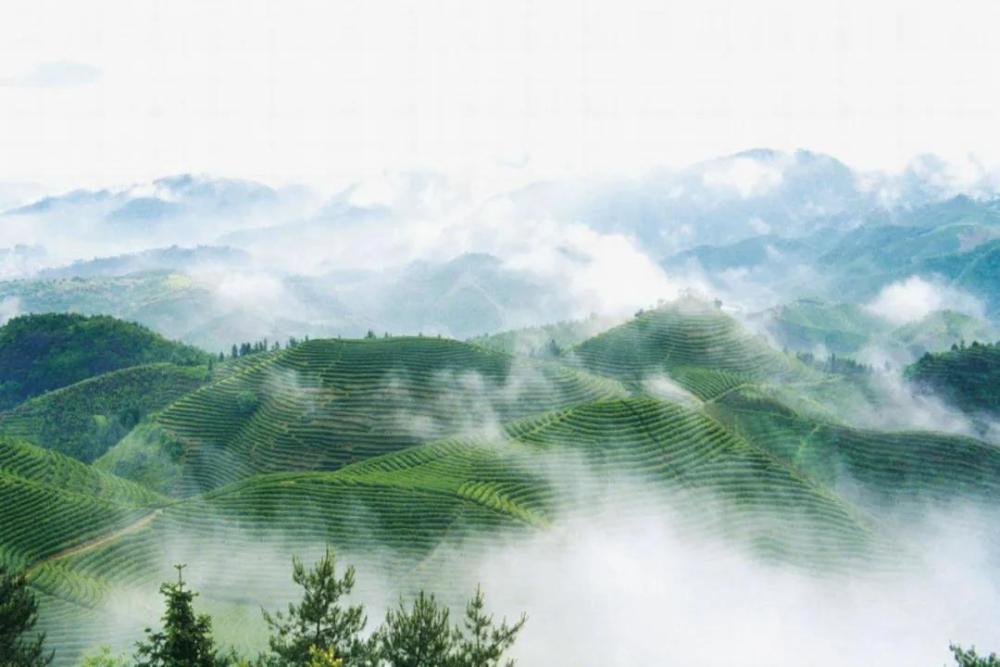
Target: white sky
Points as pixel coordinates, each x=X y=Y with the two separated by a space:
x=110 y=92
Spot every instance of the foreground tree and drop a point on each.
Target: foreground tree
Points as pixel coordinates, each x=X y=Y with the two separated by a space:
x=320 y=622
x=481 y=644
x=186 y=638
x=18 y=615
x=419 y=637
x=969 y=658
x=422 y=636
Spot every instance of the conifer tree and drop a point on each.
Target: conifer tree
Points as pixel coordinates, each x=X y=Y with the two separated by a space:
x=482 y=644
x=186 y=638
x=419 y=637
x=18 y=615
x=319 y=622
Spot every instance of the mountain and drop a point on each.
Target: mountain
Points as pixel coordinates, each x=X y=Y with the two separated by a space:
x=956 y=241
x=40 y=353
x=173 y=259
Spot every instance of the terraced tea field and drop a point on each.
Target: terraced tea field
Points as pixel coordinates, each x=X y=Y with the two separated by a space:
x=407 y=453
x=327 y=403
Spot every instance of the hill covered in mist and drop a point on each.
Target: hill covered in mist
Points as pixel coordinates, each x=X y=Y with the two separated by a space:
x=421 y=458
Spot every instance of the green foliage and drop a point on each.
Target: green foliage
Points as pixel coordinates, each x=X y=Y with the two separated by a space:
x=105 y=658
x=969 y=657
x=186 y=637
x=323 y=404
x=320 y=621
x=246 y=402
x=967 y=375
x=480 y=642
x=86 y=419
x=50 y=503
x=323 y=658
x=422 y=637
x=39 y=353
x=19 y=645
x=147 y=455
x=417 y=637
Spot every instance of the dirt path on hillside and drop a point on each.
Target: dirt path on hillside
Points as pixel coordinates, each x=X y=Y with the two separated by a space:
x=97 y=542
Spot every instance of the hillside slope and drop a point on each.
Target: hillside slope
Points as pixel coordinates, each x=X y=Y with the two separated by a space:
x=84 y=419
x=694 y=343
x=327 y=403
x=39 y=353
x=49 y=502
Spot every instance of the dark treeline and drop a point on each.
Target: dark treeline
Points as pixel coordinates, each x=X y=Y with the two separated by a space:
x=835 y=364
x=256 y=347
x=321 y=630
x=966 y=375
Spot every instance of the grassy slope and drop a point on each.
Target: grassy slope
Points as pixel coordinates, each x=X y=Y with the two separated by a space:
x=696 y=344
x=84 y=419
x=328 y=403
x=331 y=451
x=39 y=353
x=49 y=502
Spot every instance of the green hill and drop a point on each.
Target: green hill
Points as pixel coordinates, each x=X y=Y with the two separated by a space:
x=810 y=323
x=413 y=511
x=84 y=419
x=940 y=330
x=866 y=465
x=49 y=503
x=409 y=453
x=327 y=403
x=39 y=353
x=537 y=341
x=967 y=376
x=695 y=343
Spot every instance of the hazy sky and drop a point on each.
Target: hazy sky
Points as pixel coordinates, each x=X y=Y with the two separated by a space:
x=111 y=92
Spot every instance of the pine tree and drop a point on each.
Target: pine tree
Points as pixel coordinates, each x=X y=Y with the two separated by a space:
x=186 y=638
x=969 y=657
x=482 y=644
x=319 y=622
x=420 y=637
x=18 y=615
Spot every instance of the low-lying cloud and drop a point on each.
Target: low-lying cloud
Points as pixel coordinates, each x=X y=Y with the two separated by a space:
x=915 y=297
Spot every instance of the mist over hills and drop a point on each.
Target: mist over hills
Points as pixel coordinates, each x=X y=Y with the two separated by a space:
x=419 y=252
x=764 y=379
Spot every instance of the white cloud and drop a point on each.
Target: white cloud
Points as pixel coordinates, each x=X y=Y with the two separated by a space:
x=55 y=75
x=9 y=307
x=914 y=298
x=745 y=175
x=299 y=90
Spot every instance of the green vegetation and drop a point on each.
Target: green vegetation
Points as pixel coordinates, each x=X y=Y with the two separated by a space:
x=700 y=347
x=537 y=341
x=39 y=353
x=19 y=645
x=326 y=403
x=969 y=658
x=968 y=376
x=840 y=328
x=320 y=631
x=186 y=637
x=50 y=503
x=319 y=623
x=148 y=455
x=940 y=330
x=410 y=449
x=85 y=419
